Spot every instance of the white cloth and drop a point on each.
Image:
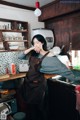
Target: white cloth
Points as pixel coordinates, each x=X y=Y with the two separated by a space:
x=64 y=59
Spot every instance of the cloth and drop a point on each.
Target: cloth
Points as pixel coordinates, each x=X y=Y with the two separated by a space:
x=64 y=59
x=52 y=65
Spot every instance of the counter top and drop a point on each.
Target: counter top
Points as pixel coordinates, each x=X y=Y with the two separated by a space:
x=20 y=75
x=7 y=77
x=47 y=76
x=12 y=77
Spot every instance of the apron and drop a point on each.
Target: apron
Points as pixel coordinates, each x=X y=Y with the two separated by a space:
x=34 y=86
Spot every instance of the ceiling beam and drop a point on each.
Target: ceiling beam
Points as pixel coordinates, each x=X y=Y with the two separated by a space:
x=16 y=5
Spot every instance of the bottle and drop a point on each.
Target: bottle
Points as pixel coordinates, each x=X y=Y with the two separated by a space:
x=13 y=69
x=7 y=71
x=20 y=26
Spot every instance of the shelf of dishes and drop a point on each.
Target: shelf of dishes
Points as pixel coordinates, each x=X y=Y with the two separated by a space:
x=13 y=41
x=13 y=45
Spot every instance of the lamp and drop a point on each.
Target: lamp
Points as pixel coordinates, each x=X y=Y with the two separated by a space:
x=37 y=11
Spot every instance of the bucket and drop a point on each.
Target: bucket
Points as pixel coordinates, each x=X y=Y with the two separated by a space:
x=19 y=116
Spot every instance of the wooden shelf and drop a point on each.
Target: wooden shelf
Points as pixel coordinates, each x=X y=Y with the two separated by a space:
x=13 y=26
x=15 y=41
x=13 y=77
x=13 y=30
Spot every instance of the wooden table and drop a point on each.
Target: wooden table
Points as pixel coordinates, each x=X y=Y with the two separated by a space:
x=12 y=77
x=20 y=75
x=49 y=75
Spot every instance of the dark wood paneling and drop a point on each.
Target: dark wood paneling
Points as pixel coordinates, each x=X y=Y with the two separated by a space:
x=76 y=40
x=57 y=9
x=16 y=5
x=64 y=20
x=66 y=30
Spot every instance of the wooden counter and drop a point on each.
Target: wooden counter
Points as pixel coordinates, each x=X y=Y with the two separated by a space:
x=12 y=77
x=20 y=75
x=47 y=76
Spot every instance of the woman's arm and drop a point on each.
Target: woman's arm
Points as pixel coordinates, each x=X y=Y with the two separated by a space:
x=24 y=53
x=28 y=50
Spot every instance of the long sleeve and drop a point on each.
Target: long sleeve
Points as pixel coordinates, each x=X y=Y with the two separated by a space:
x=22 y=56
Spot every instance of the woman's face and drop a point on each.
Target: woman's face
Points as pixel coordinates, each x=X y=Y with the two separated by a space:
x=37 y=45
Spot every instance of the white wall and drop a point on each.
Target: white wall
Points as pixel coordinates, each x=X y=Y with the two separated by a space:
x=7 y=12
x=13 y=13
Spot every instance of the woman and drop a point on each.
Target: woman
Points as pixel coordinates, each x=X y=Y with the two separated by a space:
x=41 y=61
x=33 y=89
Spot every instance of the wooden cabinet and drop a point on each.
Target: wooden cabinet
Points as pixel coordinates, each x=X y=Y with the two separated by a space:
x=64 y=19
x=58 y=8
x=13 y=35
x=61 y=101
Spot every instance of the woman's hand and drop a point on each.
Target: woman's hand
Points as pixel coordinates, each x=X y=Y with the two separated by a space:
x=37 y=48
